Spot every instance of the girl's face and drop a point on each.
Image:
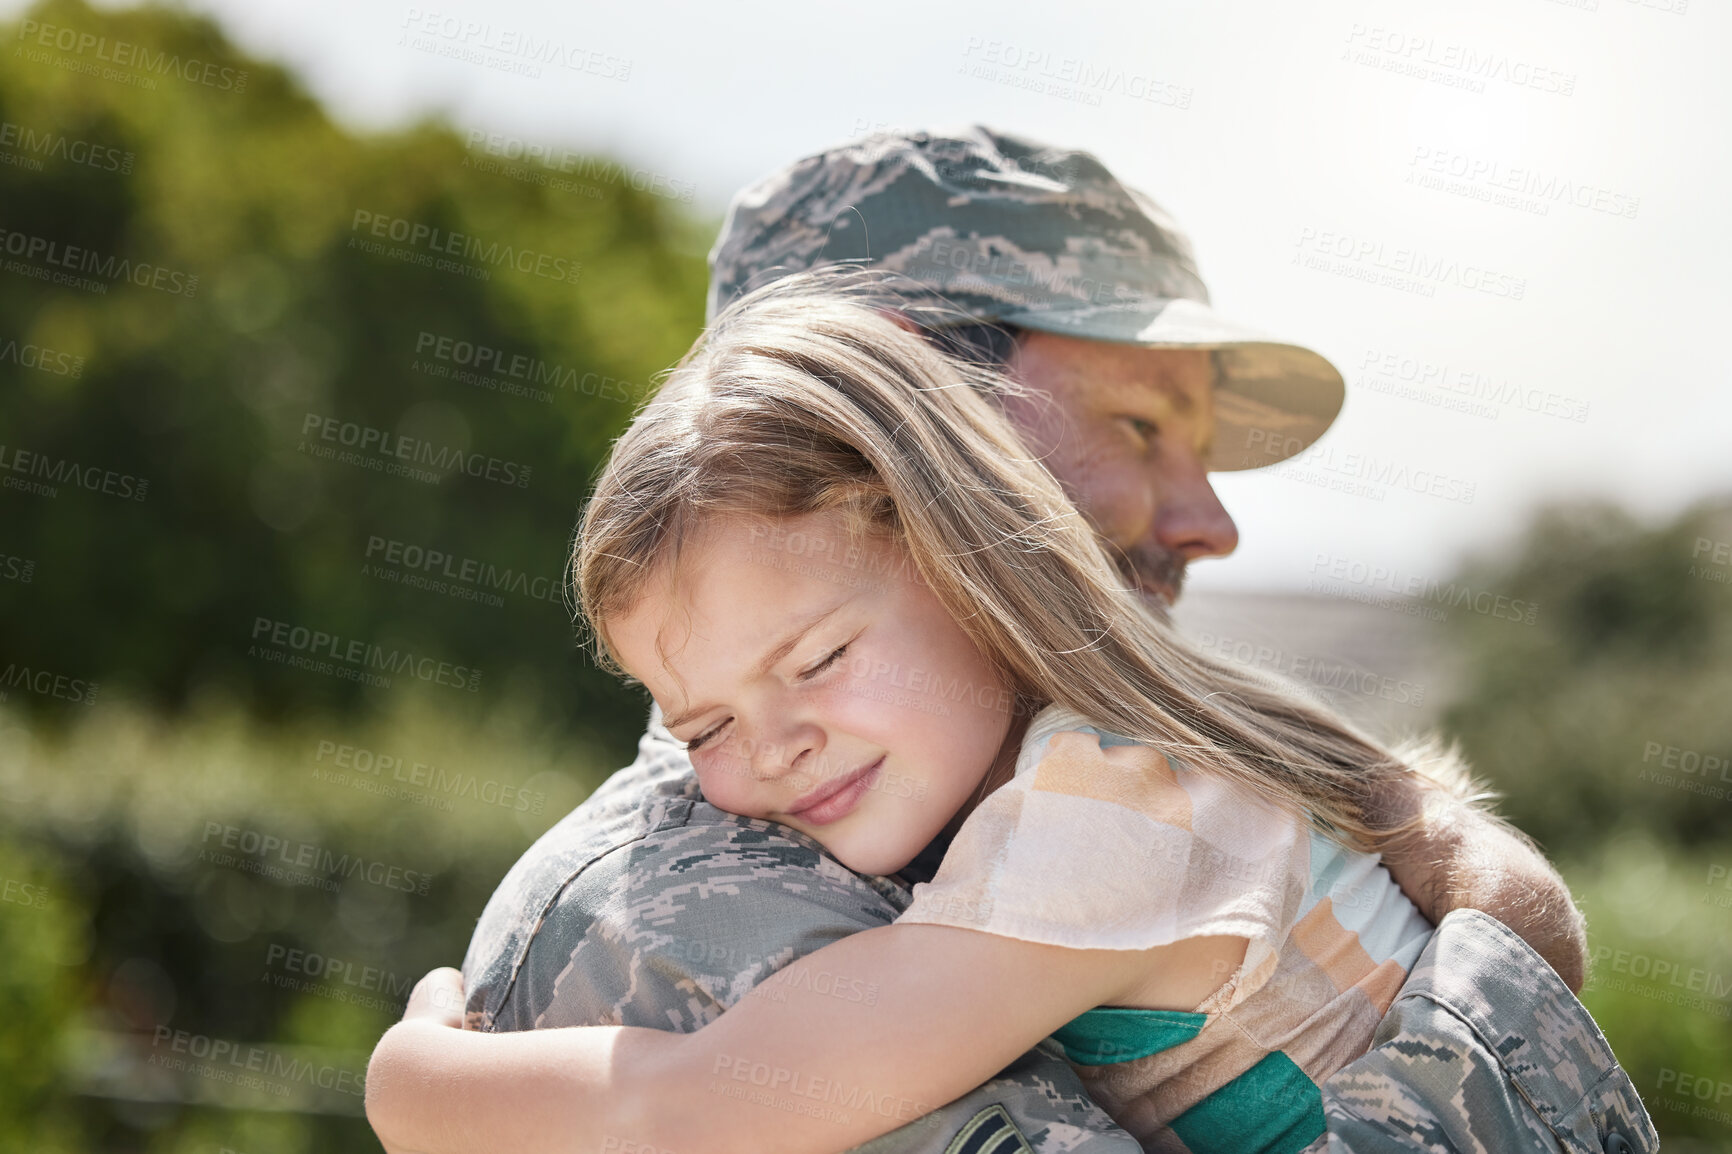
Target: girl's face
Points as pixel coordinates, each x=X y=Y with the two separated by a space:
x=818 y=683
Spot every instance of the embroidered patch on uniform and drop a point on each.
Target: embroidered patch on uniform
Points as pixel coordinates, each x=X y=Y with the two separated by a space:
x=989 y=1132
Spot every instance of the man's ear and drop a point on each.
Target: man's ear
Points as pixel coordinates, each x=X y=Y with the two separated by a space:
x=901 y=319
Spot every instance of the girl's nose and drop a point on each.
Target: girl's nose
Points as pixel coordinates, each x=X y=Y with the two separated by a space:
x=784 y=750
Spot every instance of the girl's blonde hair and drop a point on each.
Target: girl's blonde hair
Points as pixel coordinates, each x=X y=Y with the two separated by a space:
x=805 y=396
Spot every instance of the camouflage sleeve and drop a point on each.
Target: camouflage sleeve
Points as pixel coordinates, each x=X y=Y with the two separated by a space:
x=669 y=931
x=1485 y=1050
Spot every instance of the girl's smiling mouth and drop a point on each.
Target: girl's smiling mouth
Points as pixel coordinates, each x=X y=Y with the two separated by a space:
x=836 y=799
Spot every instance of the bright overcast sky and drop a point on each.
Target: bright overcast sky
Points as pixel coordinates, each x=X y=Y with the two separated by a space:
x=1574 y=154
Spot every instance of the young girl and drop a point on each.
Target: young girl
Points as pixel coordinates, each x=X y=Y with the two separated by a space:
x=872 y=617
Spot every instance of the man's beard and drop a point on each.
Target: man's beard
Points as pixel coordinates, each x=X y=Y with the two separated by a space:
x=1157 y=573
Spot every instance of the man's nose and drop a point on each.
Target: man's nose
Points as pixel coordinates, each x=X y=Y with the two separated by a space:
x=1190 y=520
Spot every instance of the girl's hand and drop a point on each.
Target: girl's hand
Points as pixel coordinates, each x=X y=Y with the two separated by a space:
x=437 y=998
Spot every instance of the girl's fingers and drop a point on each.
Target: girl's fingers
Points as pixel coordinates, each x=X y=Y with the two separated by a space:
x=438 y=997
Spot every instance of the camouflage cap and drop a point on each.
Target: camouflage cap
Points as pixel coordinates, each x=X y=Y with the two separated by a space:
x=1030 y=235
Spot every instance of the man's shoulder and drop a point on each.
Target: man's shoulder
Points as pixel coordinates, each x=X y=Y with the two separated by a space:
x=654 y=793
x=646 y=864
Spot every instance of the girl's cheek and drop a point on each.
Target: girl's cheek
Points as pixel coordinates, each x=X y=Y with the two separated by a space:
x=859 y=663
x=724 y=780
x=887 y=681
x=864 y=696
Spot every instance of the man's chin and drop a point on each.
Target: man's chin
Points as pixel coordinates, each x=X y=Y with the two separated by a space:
x=1159 y=593
x=1159 y=598
x=1157 y=577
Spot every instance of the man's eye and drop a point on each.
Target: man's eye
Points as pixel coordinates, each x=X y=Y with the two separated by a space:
x=1147 y=430
x=706 y=735
x=835 y=656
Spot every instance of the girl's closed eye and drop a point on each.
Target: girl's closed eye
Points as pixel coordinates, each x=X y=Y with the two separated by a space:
x=835 y=656
x=705 y=736
x=807 y=674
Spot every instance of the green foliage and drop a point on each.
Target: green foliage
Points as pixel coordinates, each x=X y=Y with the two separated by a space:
x=260 y=211
x=145 y=895
x=43 y=936
x=1661 y=941
x=1630 y=656
x=239 y=268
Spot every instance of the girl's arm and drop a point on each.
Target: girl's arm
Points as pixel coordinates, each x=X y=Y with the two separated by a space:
x=839 y=1047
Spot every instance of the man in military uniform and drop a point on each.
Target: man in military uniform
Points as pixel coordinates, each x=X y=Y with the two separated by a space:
x=646 y=906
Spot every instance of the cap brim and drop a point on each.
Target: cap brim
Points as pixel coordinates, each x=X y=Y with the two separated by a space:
x=1272 y=399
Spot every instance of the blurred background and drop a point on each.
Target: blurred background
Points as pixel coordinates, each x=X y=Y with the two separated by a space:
x=259 y=412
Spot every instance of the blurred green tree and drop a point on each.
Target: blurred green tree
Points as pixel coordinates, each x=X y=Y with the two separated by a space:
x=233 y=292
x=209 y=294
x=1614 y=709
